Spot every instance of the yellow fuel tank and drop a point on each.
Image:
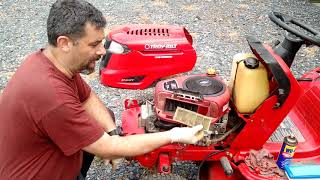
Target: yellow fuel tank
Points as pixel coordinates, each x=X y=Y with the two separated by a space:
x=249 y=83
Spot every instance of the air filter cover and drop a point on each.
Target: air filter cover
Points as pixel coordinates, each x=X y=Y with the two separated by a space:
x=204 y=85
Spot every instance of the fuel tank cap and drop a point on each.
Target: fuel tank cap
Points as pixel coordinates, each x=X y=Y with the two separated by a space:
x=251 y=63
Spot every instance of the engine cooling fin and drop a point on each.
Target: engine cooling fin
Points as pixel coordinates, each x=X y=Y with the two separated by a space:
x=204 y=85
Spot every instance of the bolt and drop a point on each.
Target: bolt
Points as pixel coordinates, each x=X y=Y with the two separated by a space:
x=165 y=168
x=229 y=154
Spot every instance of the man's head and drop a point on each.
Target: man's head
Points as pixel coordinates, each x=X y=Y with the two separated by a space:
x=75 y=29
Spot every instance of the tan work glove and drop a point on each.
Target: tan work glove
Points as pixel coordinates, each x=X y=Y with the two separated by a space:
x=186 y=135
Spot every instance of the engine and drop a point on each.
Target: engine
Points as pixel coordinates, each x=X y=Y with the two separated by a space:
x=203 y=95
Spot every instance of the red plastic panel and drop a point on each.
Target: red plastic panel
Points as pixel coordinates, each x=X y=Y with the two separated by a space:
x=155 y=51
x=265 y=120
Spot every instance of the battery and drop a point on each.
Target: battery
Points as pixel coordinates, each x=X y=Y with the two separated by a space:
x=287 y=151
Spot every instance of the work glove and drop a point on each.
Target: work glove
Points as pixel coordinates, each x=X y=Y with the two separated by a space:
x=186 y=135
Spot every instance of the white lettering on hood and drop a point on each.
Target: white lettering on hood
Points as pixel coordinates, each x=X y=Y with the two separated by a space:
x=160 y=46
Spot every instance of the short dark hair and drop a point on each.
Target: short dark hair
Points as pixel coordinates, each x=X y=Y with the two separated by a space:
x=69 y=17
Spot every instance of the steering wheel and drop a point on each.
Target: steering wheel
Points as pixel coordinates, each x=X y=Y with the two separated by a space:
x=283 y=20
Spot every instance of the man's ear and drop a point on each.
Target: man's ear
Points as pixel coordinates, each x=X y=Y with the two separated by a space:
x=64 y=43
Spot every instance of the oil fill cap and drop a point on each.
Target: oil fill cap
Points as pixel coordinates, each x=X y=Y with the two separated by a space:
x=211 y=72
x=251 y=63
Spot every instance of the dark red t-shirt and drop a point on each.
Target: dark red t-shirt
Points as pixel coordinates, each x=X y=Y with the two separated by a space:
x=43 y=125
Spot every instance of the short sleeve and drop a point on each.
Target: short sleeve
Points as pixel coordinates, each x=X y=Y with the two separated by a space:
x=71 y=128
x=83 y=88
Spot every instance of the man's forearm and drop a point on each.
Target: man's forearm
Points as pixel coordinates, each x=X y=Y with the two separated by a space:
x=140 y=143
x=111 y=147
x=99 y=112
x=115 y=146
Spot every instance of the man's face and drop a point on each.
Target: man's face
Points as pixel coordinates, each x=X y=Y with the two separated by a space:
x=88 y=49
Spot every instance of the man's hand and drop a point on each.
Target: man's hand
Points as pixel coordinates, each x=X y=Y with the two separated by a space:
x=186 y=135
x=114 y=162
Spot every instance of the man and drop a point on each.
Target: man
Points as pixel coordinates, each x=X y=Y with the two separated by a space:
x=50 y=116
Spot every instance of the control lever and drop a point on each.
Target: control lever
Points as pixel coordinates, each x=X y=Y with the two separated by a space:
x=226 y=166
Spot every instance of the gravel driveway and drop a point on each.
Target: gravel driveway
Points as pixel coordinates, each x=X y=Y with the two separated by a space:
x=218 y=28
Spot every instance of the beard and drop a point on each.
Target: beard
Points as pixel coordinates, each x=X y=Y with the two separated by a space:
x=89 y=67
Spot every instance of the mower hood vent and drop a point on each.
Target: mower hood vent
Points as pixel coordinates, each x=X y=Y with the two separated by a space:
x=150 y=32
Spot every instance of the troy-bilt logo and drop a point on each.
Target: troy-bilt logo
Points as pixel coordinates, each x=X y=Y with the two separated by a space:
x=160 y=46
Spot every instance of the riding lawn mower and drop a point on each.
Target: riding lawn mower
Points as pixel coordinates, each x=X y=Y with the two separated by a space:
x=245 y=120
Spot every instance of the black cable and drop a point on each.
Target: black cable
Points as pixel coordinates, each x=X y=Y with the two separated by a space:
x=216 y=152
x=205 y=159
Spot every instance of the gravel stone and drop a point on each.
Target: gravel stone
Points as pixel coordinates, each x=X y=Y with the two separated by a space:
x=218 y=28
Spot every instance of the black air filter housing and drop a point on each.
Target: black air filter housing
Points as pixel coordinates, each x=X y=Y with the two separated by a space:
x=204 y=85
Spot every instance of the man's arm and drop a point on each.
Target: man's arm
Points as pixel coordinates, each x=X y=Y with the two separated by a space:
x=97 y=110
x=111 y=147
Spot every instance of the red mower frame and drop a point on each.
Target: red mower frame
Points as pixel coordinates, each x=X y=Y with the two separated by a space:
x=297 y=99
